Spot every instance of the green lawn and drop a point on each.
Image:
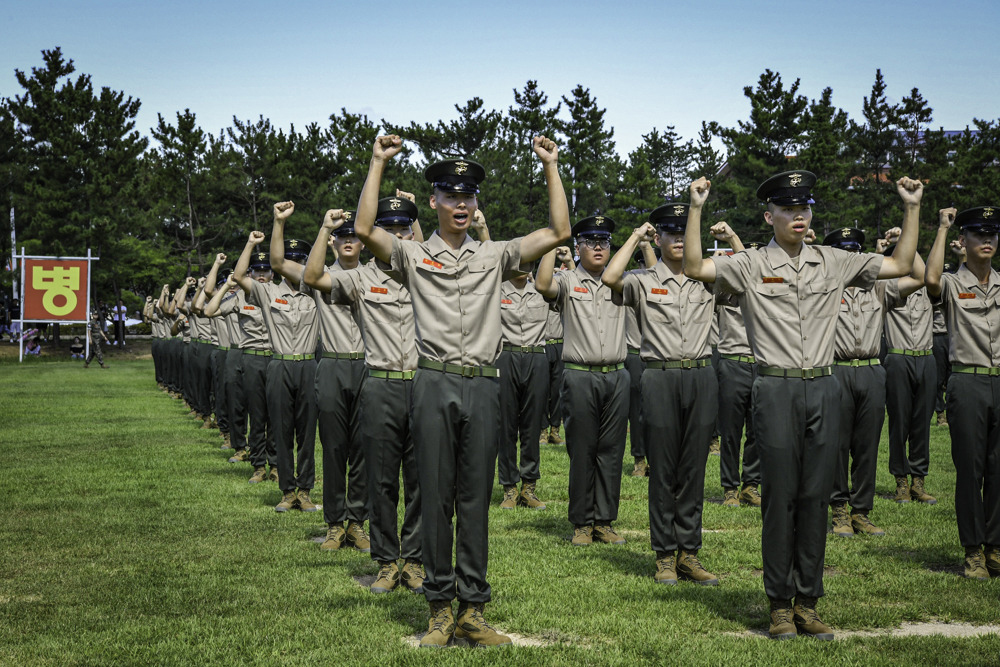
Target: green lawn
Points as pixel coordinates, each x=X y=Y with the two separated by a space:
x=128 y=539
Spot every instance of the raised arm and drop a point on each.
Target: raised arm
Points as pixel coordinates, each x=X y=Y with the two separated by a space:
x=901 y=261
x=935 y=260
x=544 y=277
x=648 y=254
x=479 y=225
x=290 y=271
x=614 y=272
x=418 y=233
x=199 y=297
x=213 y=274
x=541 y=241
x=376 y=239
x=696 y=266
x=723 y=232
x=212 y=308
x=315 y=274
x=243 y=263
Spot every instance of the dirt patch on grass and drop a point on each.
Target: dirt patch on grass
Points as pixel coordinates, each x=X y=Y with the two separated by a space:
x=925 y=629
x=413 y=641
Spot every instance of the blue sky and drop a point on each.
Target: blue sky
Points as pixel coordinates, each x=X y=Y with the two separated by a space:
x=650 y=64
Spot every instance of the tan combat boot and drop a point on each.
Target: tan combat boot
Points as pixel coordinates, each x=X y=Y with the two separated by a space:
x=387 y=578
x=335 y=537
x=288 y=501
x=782 y=626
x=528 y=498
x=942 y=419
x=272 y=476
x=730 y=498
x=509 y=501
x=358 y=538
x=413 y=576
x=603 y=532
x=259 y=473
x=583 y=536
x=750 y=496
x=902 y=490
x=975 y=564
x=472 y=626
x=441 y=626
x=993 y=560
x=666 y=568
x=554 y=438
x=305 y=502
x=714 y=447
x=862 y=525
x=240 y=456
x=641 y=468
x=807 y=620
x=842 y=521
x=918 y=493
x=689 y=567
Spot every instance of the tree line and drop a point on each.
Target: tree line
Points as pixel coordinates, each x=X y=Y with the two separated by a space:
x=156 y=206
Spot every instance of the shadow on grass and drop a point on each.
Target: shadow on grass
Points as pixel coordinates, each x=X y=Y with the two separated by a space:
x=932 y=559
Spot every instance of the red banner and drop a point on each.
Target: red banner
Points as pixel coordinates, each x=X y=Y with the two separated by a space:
x=55 y=290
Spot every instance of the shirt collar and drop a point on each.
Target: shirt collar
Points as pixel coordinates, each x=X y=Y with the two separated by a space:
x=777 y=257
x=663 y=274
x=583 y=275
x=969 y=280
x=436 y=246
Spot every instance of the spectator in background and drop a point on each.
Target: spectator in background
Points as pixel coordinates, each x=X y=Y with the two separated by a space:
x=118 y=315
x=76 y=348
x=33 y=346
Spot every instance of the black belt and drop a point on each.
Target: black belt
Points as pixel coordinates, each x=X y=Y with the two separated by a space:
x=457 y=369
x=797 y=373
x=683 y=363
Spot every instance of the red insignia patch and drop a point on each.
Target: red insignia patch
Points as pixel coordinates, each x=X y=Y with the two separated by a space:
x=966 y=295
x=431 y=262
x=507 y=301
x=843 y=300
x=582 y=290
x=380 y=290
x=281 y=301
x=657 y=290
x=249 y=308
x=773 y=279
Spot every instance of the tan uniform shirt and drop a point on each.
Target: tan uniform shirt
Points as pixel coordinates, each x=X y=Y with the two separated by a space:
x=456 y=296
x=386 y=315
x=732 y=331
x=859 y=324
x=553 y=325
x=940 y=326
x=674 y=312
x=201 y=327
x=338 y=330
x=791 y=311
x=156 y=326
x=221 y=331
x=523 y=315
x=253 y=331
x=290 y=317
x=909 y=322
x=973 y=317
x=633 y=336
x=593 y=318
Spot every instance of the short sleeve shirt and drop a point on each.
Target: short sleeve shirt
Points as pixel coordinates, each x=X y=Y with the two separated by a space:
x=732 y=330
x=909 y=322
x=290 y=317
x=386 y=315
x=674 y=312
x=338 y=330
x=456 y=295
x=859 y=323
x=593 y=317
x=791 y=311
x=524 y=314
x=973 y=317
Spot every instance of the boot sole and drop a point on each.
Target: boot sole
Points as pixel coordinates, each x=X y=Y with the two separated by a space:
x=666 y=582
x=380 y=591
x=821 y=636
x=783 y=636
x=706 y=582
x=844 y=534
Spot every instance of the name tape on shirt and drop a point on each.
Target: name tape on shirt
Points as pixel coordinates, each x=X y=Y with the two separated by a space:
x=658 y=290
x=249 y=308
x=843 y=300
x=772 y=279
x=581 y=290
x=431 y=262
x=283 y=302
x=380 y=290
x=966 y=295
x=506 y=301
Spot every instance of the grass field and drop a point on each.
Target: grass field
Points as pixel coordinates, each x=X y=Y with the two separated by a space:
x=128 y=539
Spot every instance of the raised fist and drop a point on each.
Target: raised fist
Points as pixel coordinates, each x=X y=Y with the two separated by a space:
x=282 y=210
x=545 y=149
x=699 y=191
x=333 y=219
x=256 y=237
x=387 y=147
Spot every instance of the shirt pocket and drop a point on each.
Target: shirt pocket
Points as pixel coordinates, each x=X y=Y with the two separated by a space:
x=660 y=307
x=701 y=306
x=776 y=301
x=480 y=278
x=821 y=294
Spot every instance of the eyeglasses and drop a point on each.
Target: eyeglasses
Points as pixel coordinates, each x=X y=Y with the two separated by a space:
x=594 y=244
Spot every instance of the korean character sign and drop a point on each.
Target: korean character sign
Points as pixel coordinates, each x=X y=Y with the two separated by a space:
x=55 y=290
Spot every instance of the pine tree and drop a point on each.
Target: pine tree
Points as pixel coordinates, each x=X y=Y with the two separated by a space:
x=826 y=152
x=874 y=140
x=589 y=160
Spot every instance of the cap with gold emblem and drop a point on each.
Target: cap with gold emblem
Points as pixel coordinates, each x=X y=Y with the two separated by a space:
x=347 y=227
x=260 y=260
x=223 y=276
x=671 y=218
x=753 y=245
x=790 y=188
x=296 y=250
x=846 y=238
x=985 y=219
x=640 y=259
x=395 y=211
x=595 y=225
x=456 y=175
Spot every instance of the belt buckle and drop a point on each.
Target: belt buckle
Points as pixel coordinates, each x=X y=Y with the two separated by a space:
x=687 y=363
x=468 y=371
x=993 y=370
x=808 y=373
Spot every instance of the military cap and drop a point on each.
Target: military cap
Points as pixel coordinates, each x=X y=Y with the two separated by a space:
x=395 y=211
x=296 y=250
x=595 y=225
x=260 y=260
x=639 y=258
x=846 y=238
x=790 y=188
x=456 y=175
x=985 y=219
x=753 y=245
x=223 y=276
x=670 y=218
x=347 y=227
x=949 y=268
